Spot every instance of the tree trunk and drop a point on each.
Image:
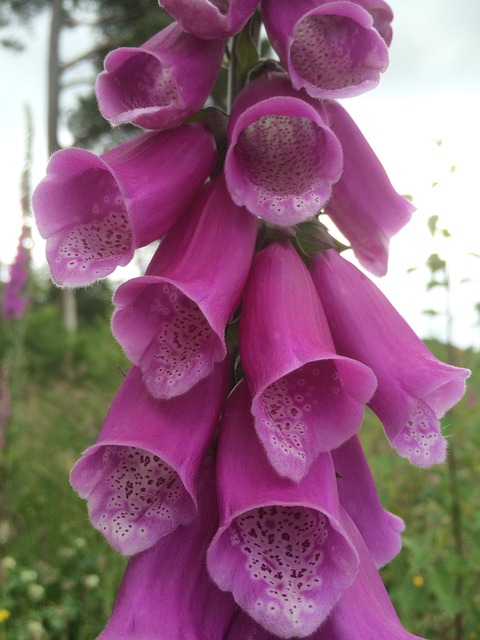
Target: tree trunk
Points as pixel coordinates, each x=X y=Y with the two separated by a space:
x=54 y=72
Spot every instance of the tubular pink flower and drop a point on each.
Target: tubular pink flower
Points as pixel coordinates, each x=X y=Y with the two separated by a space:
x=364 y=205
x=414 y=388
x=380 y=529
x=330 y=49
x=211 y=18
x=95 y=211
x=364 y=612
x=166 y=592
x=280 y=548
x=171 y=322
x=139 y=478
x=283 y=158
x=306 y=397
x=161 y=83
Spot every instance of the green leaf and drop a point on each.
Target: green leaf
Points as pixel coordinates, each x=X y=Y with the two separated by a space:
x=432 y=222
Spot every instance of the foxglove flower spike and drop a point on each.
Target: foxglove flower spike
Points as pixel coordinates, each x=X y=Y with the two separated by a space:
x=139 y=478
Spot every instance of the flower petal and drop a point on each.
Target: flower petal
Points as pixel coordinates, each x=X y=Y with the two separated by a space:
x=283 y=158
x=139 y=478
x=364 y=205
x=331 y=49
x=166 y=591
x=306 y=398
x=280 y=548
x=94 y=211
x=172 y=321
x=380 y=529
x=160 y=83
x=211 y=18
x=414 y=388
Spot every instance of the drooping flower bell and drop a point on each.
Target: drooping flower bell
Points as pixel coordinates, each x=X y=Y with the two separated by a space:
x=414 y=388
x=140 y=477
x=94 y=211
x=211 y=18
x=162 y=82
x=166 y=592
x=364 y=611
x=282 y=157
x=364 y=205
x=280 y=548
x=380 y=529
x=306 y=397
x=171 y=322
x=330 y=48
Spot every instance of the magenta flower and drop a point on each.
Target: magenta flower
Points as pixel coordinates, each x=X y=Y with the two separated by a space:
x=414 y=388
x=280 y=548
x=330 y=49
x=161 y=83
x=95 y=211
x=211 y=18
x=364 y=612
x=380 y=529
x=171 y=322
x=14 y=294
x=364 y=205
x=139 y=478
x=306 y=397
x=283 y=158
x=166 y=592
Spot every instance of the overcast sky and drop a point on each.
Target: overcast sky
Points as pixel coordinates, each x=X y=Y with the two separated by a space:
x=431 y=91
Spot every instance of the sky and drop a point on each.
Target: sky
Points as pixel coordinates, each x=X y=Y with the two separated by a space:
x=421 y=120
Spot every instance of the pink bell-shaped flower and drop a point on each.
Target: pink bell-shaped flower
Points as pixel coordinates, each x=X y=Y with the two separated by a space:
x=94 y=211
x=364 y=205
x=171 y=322
x=162 y=82
x=282 y=158
x=139 y=478
x=280 y=548
x=414 y=388
x=330 y=48
x=306 y=397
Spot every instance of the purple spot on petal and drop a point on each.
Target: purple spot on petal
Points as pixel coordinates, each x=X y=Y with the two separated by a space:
x=281 y=156
x=137 y=499
x=181 y=353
